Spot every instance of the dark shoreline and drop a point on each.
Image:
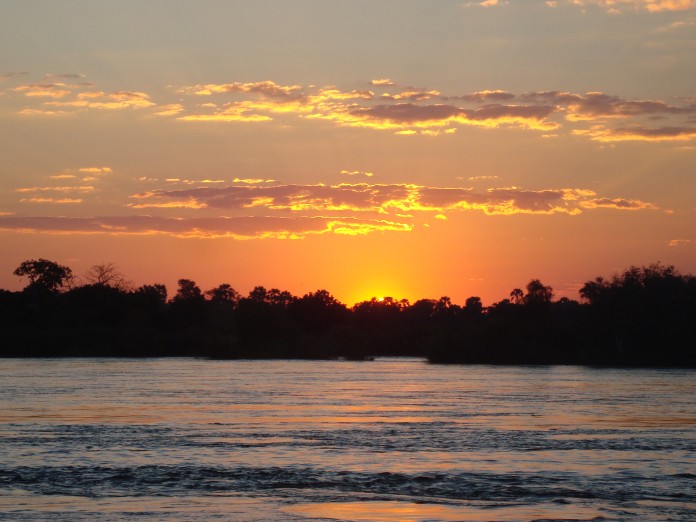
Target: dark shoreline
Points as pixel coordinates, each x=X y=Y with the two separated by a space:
x=645 y=317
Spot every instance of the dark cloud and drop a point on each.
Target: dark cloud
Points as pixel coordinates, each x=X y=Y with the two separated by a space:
x=382 y=198
x=408 y=112
x=65 y=76
x=483 y=96
x=501 y=112
x=11 y=75
x=595 y=105
x=232 y=227
x=360 y=196
x=619 y=203
x=638 y=133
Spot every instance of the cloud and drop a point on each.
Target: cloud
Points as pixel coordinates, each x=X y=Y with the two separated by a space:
x=252 y=181
x=384 y=199
x=215 y=227
x=169 y=110
x=677 y=26
x=233 y=113
x=319 y=198
x=618 y=203
x=638 y=133
x=412 y=111
x=652 y=6
x=598 y=105
x=65 y=76
x=409 y=112
x=483 y=96
x=356 y=173
x=266 y=88
x=45 y=90
x=42 y=112
x=502 y=201
x=55 y=189
x=333 y=94
x=12 y=75
x=401 y=116
x=109 y=101
x=679 y=242
x=96 y=170
x=412 y=94
x=57 y=201
x=479 y=178
x=382 y=82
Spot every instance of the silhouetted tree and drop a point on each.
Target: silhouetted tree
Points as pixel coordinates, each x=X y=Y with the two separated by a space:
x=280 y=298
x=473 y=306
x=258 y=294
x=187 y=291
x=223 y=294
x=642 y=316
x=45 y=275
x=156 y=293
x=107 y=274
x=537 y=293
x=517 y=296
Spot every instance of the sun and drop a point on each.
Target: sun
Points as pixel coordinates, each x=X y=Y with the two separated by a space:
x=380 y=299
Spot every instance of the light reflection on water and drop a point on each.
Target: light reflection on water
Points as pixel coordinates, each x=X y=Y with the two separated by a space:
x=391 y=439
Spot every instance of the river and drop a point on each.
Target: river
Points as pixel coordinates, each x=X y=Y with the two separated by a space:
x=391 y=439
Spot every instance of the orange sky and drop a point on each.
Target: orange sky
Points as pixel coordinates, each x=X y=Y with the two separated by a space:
x=452 y=148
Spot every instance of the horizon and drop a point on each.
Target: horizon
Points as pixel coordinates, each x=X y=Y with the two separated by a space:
x=113 y=277
x=458 y=148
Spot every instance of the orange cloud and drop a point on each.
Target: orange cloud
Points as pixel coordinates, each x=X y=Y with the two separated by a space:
x=483 y=96
x=46 y=90
x=382 y=82
x=237 y=112
x=113 y=101
x=96 y=170
x=56 y=189
x=385 y=199
x=356 y=173
x=637 y=133
x=401 y=116
x=61 y=201
x=12 y=75
x=266 y=88
x=598 y=105
x=679 y=242
x=42 y=112
x=169 y=110
x=618 y=203
x=216 y=227
x=65 y=76
x=408 y=113
x=652 y=6
x=412 y=95
x=252 y=181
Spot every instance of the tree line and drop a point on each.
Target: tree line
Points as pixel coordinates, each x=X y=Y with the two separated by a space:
x=644 y=316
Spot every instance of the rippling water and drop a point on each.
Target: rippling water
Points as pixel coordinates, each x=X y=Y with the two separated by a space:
x=392 y=439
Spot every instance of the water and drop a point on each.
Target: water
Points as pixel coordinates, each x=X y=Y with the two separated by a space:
x=392 y=439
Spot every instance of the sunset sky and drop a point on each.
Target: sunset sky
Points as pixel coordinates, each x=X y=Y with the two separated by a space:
x=369 y=147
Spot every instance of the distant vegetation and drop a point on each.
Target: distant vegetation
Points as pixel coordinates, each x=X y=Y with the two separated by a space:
x=645 y=316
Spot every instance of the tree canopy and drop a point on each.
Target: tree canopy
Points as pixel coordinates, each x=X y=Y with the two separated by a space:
x=638 y=317
x=45 y=275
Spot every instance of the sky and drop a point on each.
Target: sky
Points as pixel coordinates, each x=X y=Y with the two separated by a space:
x=404 y=148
